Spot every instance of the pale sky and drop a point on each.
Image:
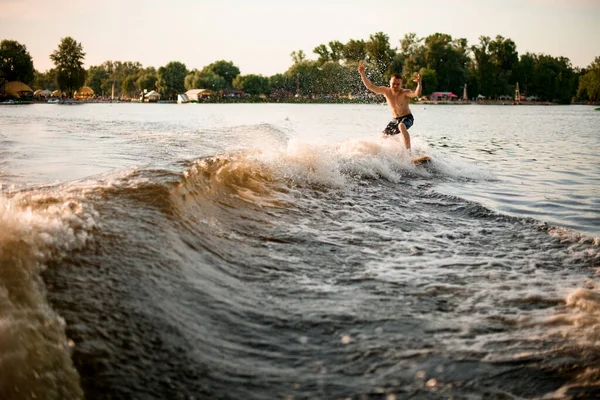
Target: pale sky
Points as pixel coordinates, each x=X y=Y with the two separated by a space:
x=259 y=35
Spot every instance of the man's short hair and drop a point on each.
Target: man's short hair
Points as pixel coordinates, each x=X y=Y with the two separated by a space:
x=397 y=76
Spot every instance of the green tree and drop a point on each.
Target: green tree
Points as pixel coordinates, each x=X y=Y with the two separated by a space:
x=129 y=86
x=205 y=79
x=429 y=80
x=45 y=80
x=355 y=85
x=397 y=65
x=103 y=79
x=504 y=53
x=483 y=70
x=323 y=52
x=336 y=79
x=109 y=79
x=282 y=85
x=472 y=81
x=306 y=76
x=411 y=45
x=354 y=51
x=412 y=53
x=68 y=59
x=147 y=79
x=171 y=79
x=554 y=79
x=448 y=58
x=192 y=80
x=444 y=62
x=458 y=66
x=123 y=70
x=96 y=76
x=15 y=62
x=525 y=73
x=213 y=81
x=504 y=57
x=118 y=72
x=337 y=50
x=589 y=83
x=379 y=53
x=298 y=56
x=252 y=84
x=225 y=69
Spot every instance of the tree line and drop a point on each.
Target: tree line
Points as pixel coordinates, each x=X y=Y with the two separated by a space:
x=491 y=67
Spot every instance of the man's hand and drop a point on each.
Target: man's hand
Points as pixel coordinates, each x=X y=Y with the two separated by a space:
x=361 y=67
x=417 y=79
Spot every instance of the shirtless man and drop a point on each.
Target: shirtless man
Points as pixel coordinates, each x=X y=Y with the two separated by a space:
x=398 y=100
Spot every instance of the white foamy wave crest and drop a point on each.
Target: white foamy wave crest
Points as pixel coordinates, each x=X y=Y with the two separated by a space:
x=579 y=323
x=381 y=157
x=34 y=351
x=579 y=320
x=453 y=166
x=565 y=235
x=586 y=304
x=387 y=158
x=47 y=224
x=329 y=164
x=303 y=163
x=581 y=247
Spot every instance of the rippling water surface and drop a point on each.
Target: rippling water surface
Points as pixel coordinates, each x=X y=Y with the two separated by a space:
x=288 y=251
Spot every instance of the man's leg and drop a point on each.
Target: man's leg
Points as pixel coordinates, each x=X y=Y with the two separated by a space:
x=405 y=135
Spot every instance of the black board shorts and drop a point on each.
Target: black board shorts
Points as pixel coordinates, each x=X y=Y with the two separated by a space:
x=393 y=129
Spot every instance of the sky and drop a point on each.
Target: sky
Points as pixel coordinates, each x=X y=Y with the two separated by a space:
x=258 y=36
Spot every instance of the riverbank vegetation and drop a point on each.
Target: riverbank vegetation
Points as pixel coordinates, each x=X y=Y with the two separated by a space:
x=491 y=69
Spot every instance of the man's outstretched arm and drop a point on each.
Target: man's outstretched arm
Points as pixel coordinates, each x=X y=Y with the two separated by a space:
x=367 y=82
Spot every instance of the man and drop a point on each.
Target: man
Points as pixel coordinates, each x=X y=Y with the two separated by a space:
x=398 y=100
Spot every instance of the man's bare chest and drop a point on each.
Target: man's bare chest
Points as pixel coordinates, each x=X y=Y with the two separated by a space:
x=397 y=98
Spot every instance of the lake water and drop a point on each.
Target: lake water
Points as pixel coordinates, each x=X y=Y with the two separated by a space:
x=154 y=251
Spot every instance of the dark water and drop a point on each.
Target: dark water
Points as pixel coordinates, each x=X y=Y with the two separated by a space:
x=286 y=251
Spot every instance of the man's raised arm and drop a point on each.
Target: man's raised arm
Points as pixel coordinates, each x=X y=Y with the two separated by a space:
x=417 y=91
x=367 y=82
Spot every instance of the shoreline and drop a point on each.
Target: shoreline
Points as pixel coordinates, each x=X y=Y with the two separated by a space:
x=302 y=100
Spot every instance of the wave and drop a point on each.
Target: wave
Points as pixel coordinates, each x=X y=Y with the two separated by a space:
x=35 y=229
x=199 y=224
x=298 y=162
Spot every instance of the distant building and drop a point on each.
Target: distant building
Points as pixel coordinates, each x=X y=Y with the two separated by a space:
x=42 y=93
x=197 y=94
x=235 y=93
x=18 y=90
x=442 y=95
x=152 y=97
x=84 y=93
